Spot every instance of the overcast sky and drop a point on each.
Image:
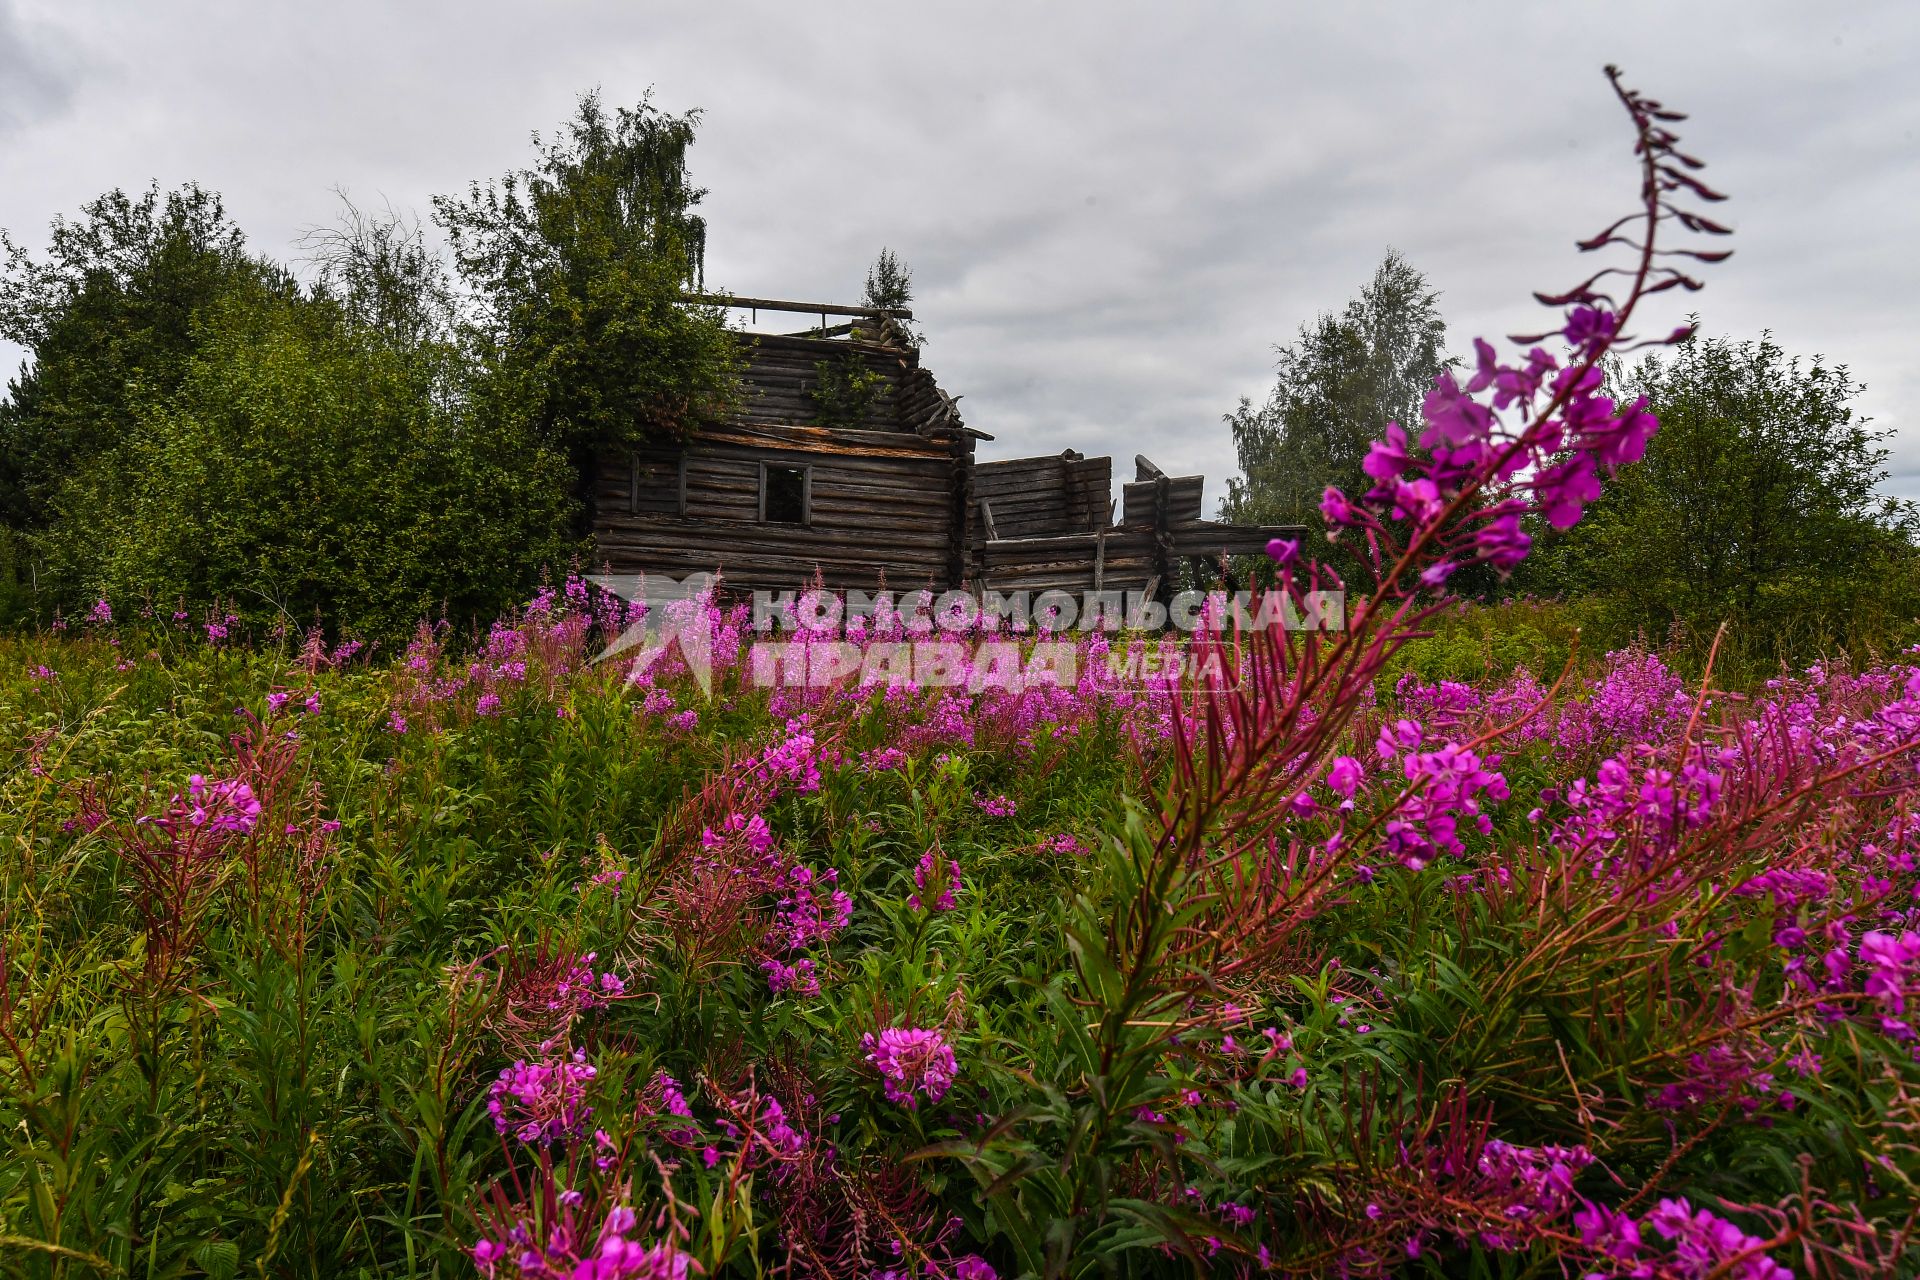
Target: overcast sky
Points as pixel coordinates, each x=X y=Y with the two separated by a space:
x=1112 y=212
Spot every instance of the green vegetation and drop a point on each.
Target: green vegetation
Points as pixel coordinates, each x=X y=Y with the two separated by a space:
x=198 y=428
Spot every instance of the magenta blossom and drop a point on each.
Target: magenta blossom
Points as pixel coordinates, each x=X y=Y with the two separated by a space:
x=929 y=869
x=912 y=1061
x=545 y=1101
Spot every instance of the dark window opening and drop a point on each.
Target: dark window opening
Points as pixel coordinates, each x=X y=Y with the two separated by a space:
x=783 y=494
x=657 y=485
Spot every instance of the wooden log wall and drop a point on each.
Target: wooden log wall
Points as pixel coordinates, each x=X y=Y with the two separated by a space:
x=782 y=373
x=652 y=484
x=1184 y=500
x=895 y=502
x=881 y=507
x=1043 y=497
x=1108 y=560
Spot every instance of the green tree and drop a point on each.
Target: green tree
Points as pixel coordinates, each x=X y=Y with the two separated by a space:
x=580 y=267
x=308 y=467
x=382 y=271
x=1338 y=385
x=109 y=317
x=890 y=287
x=1757 y=503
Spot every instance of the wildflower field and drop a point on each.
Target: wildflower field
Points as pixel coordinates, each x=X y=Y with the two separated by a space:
x=488 y=956
x=328 y=964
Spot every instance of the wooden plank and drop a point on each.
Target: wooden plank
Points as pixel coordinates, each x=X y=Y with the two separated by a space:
x=804 y=308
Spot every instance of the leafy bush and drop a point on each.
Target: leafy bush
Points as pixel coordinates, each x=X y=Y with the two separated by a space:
x=305 y=468
x=1475 y=643
x=1757 y=505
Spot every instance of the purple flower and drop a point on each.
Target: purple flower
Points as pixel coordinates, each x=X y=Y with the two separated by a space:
x=543 y=1102
x=928 y=868
x=1615 y=1234
x=227 y=806
x=996 y=806
x=798 y=977
x=912 y=1061
x=1589 y=327
x=487 y=1255
x=1387 y=458
x=1565 y=488
x=1502 y=542
x=1337 y=510
x=1703 y=1243
x=1894 y=967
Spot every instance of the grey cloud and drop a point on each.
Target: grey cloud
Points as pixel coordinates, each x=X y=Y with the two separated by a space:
x=35 y=80
x=1113 y=211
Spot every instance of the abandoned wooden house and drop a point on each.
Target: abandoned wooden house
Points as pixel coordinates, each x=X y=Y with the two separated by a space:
x=846 y=462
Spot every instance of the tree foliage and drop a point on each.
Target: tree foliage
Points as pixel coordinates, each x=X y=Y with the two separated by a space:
x=307 y=466
x=386 y=441
x=889 y=287
x=1757 y=503
x=579 y=267
x=109 y=314
x=1339 y=382
x=381 y=269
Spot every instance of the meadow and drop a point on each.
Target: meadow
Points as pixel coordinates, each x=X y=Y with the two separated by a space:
x=324 y=962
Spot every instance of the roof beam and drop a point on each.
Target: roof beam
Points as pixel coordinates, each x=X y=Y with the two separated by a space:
x=800 y=308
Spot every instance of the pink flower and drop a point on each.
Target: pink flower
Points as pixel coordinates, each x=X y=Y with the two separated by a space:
x=912 y=1061
x=996 y=806
x=1565 y=488
x=1387 y=458
x=1894 y=965
x=1336 y=509
x=928 y=868
x=542 y=1102
x=227 y=806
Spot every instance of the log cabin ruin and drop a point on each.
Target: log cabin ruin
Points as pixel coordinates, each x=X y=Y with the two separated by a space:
x=848 y=465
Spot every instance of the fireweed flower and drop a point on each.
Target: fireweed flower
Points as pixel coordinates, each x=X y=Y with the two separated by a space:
x=1615 y=1234
x=543 y=1102
x=1534 y=1184
x=912 y=1062
x=929 y=869
x=1344 y=778
x=798 y=978
x=809 y=912
x=996 y=806
x=227 y=806
x=571 y=1249
x=1703 y=1244
x=1893 y=967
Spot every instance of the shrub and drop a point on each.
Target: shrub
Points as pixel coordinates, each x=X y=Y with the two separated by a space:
x=304 y=469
